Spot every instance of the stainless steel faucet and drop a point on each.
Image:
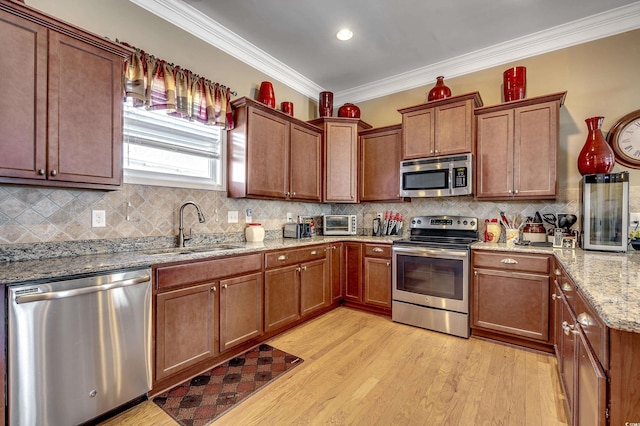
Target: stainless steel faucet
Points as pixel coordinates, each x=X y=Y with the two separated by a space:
x=181 y=237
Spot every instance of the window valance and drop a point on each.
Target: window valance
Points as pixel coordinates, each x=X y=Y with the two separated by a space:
x=156 y=84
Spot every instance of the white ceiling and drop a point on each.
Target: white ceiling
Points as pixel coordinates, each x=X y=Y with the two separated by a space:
x=397 y=45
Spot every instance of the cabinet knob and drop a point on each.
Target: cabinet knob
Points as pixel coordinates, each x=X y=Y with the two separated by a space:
x=54 y=172
x=516 y=191
x=555 y=296
x=566 y=287
x=214 y=288
x=557 y=272
x=388 y=263
x=510 y=192
x=41 y=172
x=568 y=328
x=377 y=250
x=293 y=194
x=509 y=261
x=314 y=252
x=475 y=273
x=283 y=257
x=304 y=268
x=287 y=194
x=225 y=286
x=585 y=320
x=298 y=269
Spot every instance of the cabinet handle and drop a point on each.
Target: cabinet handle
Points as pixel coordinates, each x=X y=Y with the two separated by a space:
x=566 y=287
x=214 y=288
x=283 y=257
x=225 y=285
x=286 y=194
x=568 y=328
x=510 y=192
x=313 y=253
x=475 y=273
x=509 y=261
x=333 y=247
x=304 y=268
x=388 y=263
x=555 y=296
x=298 y=269
x=377 y=250
x=293 y=194
x=41 y=172
x=54 y=172
x=585 y=320
x=557 y=272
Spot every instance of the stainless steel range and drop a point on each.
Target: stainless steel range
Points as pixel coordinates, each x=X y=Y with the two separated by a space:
x=431 y=274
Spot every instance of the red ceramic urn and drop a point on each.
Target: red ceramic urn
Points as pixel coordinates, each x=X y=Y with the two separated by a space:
x=266 y=94
x=349 y=111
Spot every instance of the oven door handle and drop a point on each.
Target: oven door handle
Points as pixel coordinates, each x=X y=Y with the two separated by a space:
x=431 y=252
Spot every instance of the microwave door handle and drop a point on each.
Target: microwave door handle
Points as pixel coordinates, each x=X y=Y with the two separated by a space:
x=450 y=178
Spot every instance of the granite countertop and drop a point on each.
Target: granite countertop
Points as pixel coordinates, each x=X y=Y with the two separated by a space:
x=609 y=281
x=65 y=266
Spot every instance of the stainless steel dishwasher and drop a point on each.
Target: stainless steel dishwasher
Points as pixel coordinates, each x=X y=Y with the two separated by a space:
x=79 y=347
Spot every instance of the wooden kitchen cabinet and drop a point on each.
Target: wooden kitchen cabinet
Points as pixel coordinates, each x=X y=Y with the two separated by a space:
x=441 y=127
x=368 y=276
x=336 y=254
x=511 y=296
x=186 y=328
x=297 y=284
x=61 y=104
x=517 y=144
x=272 y=155
x=353 y=272
x=241 y=317
x=380 y=151
x=340 y=157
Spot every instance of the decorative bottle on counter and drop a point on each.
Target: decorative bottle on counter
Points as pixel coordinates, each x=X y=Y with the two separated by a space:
x=254 y=233
x=596 y=155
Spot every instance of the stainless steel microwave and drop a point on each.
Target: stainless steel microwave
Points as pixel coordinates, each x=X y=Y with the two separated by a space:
x=437 y=176
x=339 y=224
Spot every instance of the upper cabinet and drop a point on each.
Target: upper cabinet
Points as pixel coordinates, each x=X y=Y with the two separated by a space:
x=340 y=157
x=61 y=104
x=517 y=145
x=272 y=155
x=441 y=127
x=380 y=150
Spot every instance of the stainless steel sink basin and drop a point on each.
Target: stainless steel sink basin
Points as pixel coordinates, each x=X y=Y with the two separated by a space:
x=186 y=250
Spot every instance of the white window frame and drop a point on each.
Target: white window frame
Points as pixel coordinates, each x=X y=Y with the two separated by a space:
x=142 y=177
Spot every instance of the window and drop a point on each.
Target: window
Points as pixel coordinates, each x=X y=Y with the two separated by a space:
x=163 y=150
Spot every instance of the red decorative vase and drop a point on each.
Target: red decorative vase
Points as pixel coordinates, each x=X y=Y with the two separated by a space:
x=325 y=104
x=596 y=155
x=514 y=83
x=287 y=108
x=349 y=111
x=266 y=94
x=439 y=91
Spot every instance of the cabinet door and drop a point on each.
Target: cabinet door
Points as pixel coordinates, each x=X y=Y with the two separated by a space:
x=512 y=303
x=336 y=252
x=380 y=165
x=23 y=104
x=535 y=142
x=281 y=297
x=186 y=328
x=591 y=395
x=85 y=112
x=353 y=272
x=454 y=128
x=306 y=163
x=240 y=310
x=494 y=155
x=418 y=134
x=377 y=282
x=267 y=154
x=556 y=297
x=315 y=292
x=341 y=162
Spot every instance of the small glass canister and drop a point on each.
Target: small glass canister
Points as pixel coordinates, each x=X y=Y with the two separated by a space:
x=254 y=232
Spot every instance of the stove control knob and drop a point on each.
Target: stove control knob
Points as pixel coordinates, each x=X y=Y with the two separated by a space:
x=472 y=223
x=464 y=222
x=419 y=221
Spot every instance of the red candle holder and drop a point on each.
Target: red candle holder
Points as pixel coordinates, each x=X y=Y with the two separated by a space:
x=287 y=108
x=325 y=104
x=515 y=84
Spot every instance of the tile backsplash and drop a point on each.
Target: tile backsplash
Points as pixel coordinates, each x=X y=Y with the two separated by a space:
x=33 y=215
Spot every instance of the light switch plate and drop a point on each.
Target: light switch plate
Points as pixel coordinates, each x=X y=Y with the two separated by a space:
x=98 y=219
x=634 y=220
x=232 y=216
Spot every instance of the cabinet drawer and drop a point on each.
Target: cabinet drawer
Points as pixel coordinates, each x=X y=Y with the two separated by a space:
x=293 y=256
x=377 y=250
x=511 y=261
x=208 y=270
x=595 y=331
x=568 y=288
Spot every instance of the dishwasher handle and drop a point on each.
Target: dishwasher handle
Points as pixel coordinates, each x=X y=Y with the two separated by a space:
x=36 y=297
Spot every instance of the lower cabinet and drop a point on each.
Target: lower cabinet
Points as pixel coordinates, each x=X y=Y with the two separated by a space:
x=240 y=310
x=353 y=272
x=511 y=298
x=368 y=276
x=336 y=267
x=186 y=328
x=297 y=284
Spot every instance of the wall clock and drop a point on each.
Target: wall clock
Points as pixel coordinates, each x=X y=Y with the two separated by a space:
x=624 y=138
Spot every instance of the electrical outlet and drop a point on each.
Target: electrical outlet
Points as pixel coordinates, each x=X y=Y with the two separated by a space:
x=232 y=216
x=289 y=217
x=634 y=219
x=379 y=215
x=98 y=219
x=247 y=216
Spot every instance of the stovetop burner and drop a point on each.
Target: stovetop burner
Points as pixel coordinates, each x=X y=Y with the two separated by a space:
x=442 y=231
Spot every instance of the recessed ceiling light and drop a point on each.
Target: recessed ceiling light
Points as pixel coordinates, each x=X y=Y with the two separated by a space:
x=344 y=34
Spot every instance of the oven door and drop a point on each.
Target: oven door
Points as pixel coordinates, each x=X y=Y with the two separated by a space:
x=434 y=277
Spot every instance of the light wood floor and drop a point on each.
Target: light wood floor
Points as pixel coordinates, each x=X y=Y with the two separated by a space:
x=361 y=368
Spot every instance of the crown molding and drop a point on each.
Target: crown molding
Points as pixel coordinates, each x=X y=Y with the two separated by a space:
x=606 y=24
x=194 y=22
x=612 y=22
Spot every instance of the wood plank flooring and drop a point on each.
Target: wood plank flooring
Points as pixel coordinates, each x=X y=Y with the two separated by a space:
x=361 y=368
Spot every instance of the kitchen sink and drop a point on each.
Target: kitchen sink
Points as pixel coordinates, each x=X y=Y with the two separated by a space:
x=187 y=250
